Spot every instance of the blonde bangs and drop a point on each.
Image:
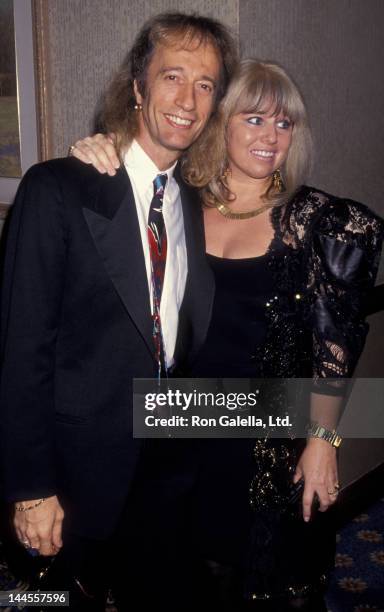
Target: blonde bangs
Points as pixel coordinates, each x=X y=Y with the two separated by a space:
x=262 y=89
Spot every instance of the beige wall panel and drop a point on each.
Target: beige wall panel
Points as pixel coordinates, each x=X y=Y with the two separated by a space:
x=359 y=456
x=87 y=41
x=335 y=51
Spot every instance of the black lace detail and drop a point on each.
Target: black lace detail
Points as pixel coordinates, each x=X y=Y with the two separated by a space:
x=324 y=259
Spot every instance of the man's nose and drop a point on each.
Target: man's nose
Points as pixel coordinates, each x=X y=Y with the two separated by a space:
x=186 y=97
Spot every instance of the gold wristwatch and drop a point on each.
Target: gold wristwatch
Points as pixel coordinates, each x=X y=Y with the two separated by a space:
x=318 y=431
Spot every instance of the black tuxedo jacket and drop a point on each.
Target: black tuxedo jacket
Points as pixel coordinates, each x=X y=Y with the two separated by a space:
x=76 y=329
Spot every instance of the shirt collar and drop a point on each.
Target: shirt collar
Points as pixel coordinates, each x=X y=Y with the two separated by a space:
x=143 y=169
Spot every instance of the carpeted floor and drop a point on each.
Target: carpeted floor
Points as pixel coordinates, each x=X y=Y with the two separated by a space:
x=357 y=584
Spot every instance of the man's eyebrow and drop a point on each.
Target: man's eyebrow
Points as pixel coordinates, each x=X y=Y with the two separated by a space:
x=167 y=68
x=204 y=77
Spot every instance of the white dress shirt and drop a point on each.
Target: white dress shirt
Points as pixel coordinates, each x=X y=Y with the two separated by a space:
x=142 y=171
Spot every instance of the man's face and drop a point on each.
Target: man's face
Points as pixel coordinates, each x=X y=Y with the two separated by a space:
x=178 y=99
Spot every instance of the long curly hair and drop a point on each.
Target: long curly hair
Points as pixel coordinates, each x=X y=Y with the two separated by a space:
x=117 y=114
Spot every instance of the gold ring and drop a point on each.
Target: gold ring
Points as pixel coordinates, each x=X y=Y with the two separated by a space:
x=71 y=149
x=336 y=489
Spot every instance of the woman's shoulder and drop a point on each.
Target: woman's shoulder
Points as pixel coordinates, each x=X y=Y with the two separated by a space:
x=313 y=209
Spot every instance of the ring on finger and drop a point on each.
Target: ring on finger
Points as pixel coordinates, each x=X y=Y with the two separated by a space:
x=71 y=149
x=336 y=489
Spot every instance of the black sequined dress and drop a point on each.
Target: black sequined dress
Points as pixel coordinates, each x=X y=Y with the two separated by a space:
x=297 y=311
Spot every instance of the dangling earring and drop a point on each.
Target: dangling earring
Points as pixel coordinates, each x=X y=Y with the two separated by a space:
x=277 y=180
x=227 y=172
x=138 y=107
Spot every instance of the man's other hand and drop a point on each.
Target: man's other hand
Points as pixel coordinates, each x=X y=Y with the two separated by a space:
x=40 y=527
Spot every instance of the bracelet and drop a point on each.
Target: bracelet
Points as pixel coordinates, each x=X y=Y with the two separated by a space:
x=318 y=431
x=26 y=508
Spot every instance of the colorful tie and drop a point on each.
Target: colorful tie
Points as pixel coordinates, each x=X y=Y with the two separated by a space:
x=157 y=239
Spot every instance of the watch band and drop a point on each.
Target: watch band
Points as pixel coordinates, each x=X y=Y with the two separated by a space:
x=318 y=431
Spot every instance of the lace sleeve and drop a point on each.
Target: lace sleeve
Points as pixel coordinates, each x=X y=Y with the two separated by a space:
x=344 y=252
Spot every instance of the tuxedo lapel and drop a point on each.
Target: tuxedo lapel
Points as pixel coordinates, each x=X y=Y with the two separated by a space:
x=114 y=226
x=199 y=291
x=112 y=220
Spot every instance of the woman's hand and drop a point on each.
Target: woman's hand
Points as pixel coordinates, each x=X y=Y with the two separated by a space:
x=98 y=150
x=318 y=467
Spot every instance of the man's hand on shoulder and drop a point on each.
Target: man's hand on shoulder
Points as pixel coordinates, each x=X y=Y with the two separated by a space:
x=39 y=525
x=98 y=150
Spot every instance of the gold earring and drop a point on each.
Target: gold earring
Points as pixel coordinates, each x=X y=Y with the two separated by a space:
x=138 y=107
x=227 y=172
x=277 y=180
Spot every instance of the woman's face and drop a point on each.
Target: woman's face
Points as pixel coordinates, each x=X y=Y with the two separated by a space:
x=257 y=143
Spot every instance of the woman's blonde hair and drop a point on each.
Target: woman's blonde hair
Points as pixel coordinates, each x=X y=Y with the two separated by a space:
x=256 y=86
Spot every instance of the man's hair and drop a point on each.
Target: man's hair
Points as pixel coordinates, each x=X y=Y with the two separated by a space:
x=117 y=113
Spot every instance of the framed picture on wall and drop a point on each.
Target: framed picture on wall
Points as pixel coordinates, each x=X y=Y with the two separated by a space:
x=18 y=117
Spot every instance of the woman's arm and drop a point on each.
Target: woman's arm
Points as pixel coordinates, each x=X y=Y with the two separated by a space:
x=318 y=462
x=98 y=150
x=344 y=251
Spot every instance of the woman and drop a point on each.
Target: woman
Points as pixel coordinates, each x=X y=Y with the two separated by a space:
x=291 y=267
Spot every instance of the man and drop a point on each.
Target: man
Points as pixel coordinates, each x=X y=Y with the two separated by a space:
x=87 y=307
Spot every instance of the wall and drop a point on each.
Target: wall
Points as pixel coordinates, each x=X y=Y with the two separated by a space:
x=335 y=52
x=333 y=49
x=358 y=456
x=87 y=41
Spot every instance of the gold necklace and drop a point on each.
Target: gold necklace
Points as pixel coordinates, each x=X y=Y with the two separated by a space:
x=228 y=214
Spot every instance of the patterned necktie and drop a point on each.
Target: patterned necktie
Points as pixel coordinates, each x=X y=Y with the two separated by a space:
x=157 y=239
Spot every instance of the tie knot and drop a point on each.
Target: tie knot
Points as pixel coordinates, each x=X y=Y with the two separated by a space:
x=159 y=184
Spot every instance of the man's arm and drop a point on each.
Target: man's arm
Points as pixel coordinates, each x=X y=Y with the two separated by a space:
x=31 y=297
